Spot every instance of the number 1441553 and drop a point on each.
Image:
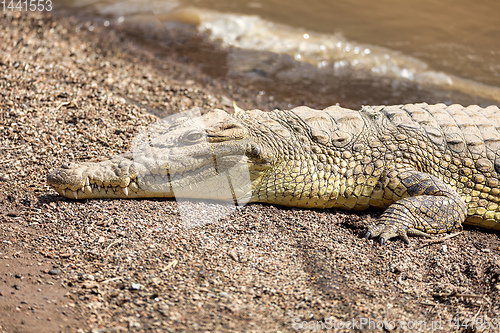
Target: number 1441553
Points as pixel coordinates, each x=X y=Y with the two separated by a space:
x=27 y=5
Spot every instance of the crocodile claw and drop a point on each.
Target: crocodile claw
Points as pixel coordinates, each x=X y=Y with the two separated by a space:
x=368 y=235
x=386 y=232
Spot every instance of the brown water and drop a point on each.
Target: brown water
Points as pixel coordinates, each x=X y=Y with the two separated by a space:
x=450 y=44
x=459 y=37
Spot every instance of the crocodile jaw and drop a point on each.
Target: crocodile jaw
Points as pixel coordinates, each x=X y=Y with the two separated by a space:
x=193 y=174
x=113 y=178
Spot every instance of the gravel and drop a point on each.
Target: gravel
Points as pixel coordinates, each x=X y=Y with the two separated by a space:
x=70 y=94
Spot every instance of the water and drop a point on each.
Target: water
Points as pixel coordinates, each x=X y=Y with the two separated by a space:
x=450 y=45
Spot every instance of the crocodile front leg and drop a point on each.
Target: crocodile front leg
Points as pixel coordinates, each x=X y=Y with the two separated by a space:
x=429 y=206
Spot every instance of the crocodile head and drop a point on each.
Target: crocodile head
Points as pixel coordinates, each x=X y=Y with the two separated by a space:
x=215 y=156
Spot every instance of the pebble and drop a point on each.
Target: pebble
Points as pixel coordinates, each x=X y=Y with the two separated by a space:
x=135 y=286
x=54 y=271
x=12 y=213
x=86 y=277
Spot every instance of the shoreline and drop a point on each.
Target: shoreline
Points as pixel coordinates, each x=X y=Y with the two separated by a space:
x=130 y=265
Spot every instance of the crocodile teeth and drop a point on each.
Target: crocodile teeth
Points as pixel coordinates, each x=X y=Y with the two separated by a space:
x=87 y=190
x=74 y=193
x=63 y=192
x=125 y=191
x=87 y=182
x=98 y=188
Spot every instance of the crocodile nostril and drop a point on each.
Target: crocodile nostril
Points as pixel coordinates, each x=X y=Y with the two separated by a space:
x=69 y=165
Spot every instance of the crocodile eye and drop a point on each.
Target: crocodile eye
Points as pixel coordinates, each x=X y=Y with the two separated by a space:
x=193 y=137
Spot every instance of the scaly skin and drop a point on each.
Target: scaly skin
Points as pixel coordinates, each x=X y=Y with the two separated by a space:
x=431 y=167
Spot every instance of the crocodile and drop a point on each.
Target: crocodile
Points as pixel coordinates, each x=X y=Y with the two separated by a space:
x=431 y=168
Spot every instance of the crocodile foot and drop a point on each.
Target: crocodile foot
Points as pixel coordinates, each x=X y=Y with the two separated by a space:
x=432 y=207
x=388 y=231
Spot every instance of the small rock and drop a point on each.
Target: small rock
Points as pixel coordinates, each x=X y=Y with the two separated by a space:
x=86 y=277
x=90 y=285
x=54 y=271
x=156 y=280
x=18 y=276
x=4 y=178
x=226 y=101
x=12 y=213
x=164 y=309
x=134 y=324
x=135 y=286
x=175 y=316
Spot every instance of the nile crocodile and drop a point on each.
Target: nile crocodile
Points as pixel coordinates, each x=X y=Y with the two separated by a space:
x=431 y=167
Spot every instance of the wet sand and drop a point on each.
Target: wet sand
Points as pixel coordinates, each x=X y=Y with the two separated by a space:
x=130 y=265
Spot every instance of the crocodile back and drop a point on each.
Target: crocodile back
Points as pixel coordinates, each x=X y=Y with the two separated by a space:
x=465 y=132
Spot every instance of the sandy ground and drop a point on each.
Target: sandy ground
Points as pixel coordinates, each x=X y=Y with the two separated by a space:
x=130 y=265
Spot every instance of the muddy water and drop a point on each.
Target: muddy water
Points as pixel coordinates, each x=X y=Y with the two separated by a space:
x=406 y=46
x=459 y=37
